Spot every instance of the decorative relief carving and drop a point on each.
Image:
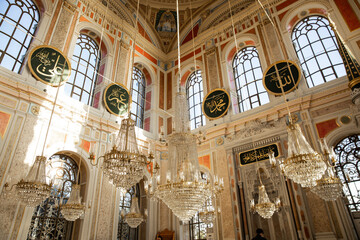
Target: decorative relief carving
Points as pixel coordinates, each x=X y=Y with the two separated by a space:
x=35 y=109
x=255 y=127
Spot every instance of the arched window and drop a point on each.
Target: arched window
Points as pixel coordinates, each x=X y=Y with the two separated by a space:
x=124 y=230
x=348 y=169
x=47 y=221
x=85 y=63
x=248 y=79
x=18 y=23
x=138 y=97
x=197 y=228
x=195 y=95
x=316 y=47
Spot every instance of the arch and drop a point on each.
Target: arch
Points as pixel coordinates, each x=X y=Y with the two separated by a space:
x=317 y=50
x=248 y=75
x=138 y=96
x=149 y=73
x=64 y=171
x=91 y=27
x=195 y=95
x=16 y=40
x=293 y=16
x=187 y=69
x=86 y=71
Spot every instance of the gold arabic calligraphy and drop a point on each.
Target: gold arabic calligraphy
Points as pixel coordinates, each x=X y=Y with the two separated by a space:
x=48 y=67
x=216 y=104
x=260 y=154
x=117 y=98
x=285 y=78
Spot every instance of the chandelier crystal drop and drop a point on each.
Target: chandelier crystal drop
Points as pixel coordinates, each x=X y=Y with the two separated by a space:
x=124 y=165
x=73 y=209
x=33 y=190
x=182 y=192
x=134 y=217
x=329 y=187
x=303 y=165
x=265 y=208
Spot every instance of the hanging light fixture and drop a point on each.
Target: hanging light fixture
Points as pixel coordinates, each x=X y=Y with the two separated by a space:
x=303 y=165
x=329 y=187
x=33 y=190
x=124 y=165
x=134 y=217
x=74 y=209
x=183 y=193
x=265 y=208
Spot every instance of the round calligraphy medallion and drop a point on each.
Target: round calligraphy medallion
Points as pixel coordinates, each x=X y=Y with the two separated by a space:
x=49 y=65
x=289 y=74
x=117 y=99
x=216 y=104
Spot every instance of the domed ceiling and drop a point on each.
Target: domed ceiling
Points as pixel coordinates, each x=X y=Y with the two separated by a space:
x=157 y=18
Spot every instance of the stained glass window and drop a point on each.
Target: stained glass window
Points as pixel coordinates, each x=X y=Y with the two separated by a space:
x=124 y=230
x=195 y=95
x=348 y=169
x=18 y=23
x=316 y=47
x=84 y=73
x=138 y=97
x=47 y=221
x=248 y=79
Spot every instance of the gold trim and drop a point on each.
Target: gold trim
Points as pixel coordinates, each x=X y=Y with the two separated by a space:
x=353 y=82
x=202 y=107
x=36 y=76
x=296 y=84
x=107 y=107
x=277 y=145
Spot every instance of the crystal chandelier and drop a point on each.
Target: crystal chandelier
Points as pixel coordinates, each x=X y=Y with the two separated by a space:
x=134 y=217
x=265 y=208
x=329 y=187
x=33 y=190
x=73 y=209
x=124 y=165
x=303 y=165
x=183 y=193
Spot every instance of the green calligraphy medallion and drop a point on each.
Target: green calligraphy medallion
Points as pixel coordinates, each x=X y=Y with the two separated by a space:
x=117 y=99
x=49 y=65
x=289 y=74
x=216 y=104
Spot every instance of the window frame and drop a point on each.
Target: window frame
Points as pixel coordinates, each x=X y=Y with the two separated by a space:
x=50 y=206
x=28 y=36
x=343 y=150
x=195 y=99
x=78 y=90
x=121 y=223
x=140 y=94
x=256 y=95
x=312 y=65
